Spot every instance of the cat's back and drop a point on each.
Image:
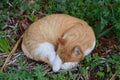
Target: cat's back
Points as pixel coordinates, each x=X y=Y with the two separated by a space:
x=55 y=21
x=50 y=27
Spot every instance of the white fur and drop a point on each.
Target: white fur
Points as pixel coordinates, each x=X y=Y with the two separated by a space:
x=89 y=50
x=57 y=64
x=68 y=65
x=45 y=50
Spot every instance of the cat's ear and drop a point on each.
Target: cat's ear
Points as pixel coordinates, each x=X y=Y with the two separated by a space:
x=62 y=41
x=77 y=50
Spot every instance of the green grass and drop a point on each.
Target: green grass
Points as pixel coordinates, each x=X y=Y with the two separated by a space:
x=98 y=13
x=4 y=42
x=104 y=69
x=102 y=15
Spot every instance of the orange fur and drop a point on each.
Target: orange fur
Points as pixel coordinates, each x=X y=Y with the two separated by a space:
x=62 y=41
x=65 y=32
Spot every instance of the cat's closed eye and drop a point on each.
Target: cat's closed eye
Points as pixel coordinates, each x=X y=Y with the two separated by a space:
x=76 y=50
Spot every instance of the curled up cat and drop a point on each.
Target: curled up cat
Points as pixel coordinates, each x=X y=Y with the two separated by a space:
x=59 y=40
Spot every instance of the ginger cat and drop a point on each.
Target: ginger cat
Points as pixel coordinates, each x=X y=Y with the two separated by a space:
x=59 y=40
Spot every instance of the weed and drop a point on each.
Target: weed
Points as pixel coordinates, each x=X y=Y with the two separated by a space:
x=105 y=68
x=32 y=18
x=99 y=14
x=102 y=15
x=4 y=42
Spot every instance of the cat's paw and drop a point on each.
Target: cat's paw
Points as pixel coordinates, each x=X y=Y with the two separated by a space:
x=68 y=65
x=56 y=68
x=57 y=64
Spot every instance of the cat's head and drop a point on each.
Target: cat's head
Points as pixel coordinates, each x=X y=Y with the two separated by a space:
x=68 y=52
x=69 y=49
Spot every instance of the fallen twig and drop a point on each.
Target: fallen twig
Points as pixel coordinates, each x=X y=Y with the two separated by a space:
x=113 y=77
x=11 y=53
x=14 y=59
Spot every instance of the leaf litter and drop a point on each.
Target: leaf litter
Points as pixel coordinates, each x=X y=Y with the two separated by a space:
x=16 y=26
